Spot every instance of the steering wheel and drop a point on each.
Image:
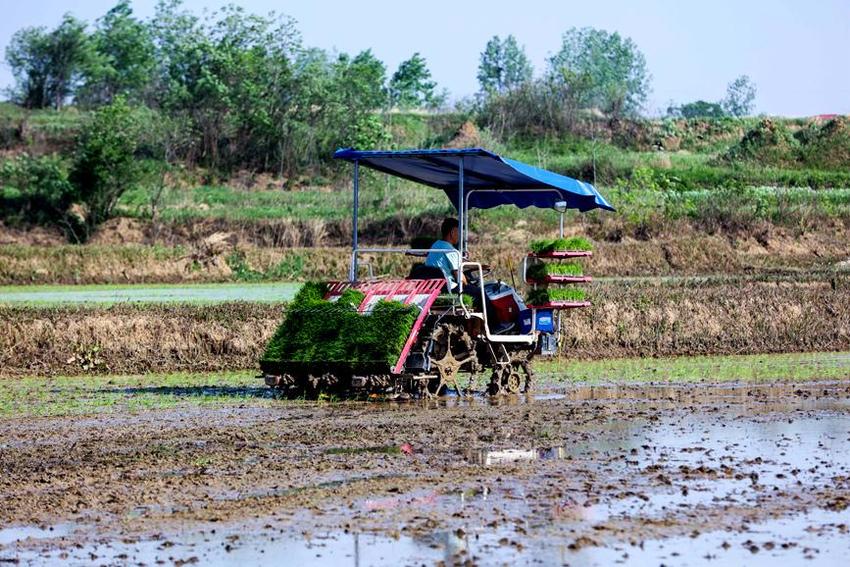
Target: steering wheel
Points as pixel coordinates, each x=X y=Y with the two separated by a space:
x=471 y=273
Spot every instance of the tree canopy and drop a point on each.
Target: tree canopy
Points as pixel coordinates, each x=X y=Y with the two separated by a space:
x=411 y=85
x=740 y=97
x=503 y=66
x=48 y=65
x=603 y=69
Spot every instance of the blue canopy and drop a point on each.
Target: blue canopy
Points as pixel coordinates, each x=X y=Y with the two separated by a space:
x=489 y=180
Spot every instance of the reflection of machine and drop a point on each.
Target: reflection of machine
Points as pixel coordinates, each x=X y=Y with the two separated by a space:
x=450 y=337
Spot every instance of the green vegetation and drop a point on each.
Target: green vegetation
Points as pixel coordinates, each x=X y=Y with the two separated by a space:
x=319 y=331
x=769 y=143
x=743 y=368
x=603 y=70
x=504 y=66
x=449 y=300
x=544 y=296
x=573 y=243
x=228 y=115
x=827 y=147
x=39 y=396
x=81 y=395
x=543 y=269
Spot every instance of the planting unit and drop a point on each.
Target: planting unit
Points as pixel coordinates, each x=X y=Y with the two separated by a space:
x=540 y=273
x=421 y=334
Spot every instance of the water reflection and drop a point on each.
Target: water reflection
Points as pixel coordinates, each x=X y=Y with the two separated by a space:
x=487 y=457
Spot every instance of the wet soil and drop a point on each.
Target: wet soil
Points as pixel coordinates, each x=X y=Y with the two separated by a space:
x=719 y=475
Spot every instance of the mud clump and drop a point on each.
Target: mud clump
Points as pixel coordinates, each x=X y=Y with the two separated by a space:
x=467 y=136
x=119 y=231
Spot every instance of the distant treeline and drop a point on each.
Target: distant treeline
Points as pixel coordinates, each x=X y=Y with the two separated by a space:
x=232 y=90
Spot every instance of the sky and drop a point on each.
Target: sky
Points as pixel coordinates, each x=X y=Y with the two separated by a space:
x=796 y=52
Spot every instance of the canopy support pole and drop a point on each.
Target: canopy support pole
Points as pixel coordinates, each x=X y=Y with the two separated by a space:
x=352 y=273
x=461 y=223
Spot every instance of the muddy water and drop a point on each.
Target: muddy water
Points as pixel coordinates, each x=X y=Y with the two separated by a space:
x=673 y=475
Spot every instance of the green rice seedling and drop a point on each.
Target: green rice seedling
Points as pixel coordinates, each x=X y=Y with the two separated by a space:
x=565 y=269
x=578 y=243
x=544 y=296
x=540 y=271
x=448 y=300
x=320 y=331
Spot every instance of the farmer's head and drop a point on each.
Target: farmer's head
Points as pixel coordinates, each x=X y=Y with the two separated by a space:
x=450 y=231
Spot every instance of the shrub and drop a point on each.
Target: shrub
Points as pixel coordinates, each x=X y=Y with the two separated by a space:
x=768 y=143
x=35 y=190
x=829 y=146
x=105 y=163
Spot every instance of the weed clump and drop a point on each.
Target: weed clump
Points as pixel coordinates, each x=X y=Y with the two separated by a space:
x=577 y=243
x=319 y=331
x=829 y=146
x=544 y=296
x=768 y=143
x=540 y=271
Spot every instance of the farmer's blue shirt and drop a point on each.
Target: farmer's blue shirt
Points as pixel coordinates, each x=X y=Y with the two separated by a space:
x=448 y=263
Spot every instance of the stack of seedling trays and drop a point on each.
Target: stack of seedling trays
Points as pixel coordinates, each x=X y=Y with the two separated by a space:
x=557 y=263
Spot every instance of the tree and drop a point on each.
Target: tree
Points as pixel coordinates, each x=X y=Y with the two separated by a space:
x=740 y=97
x=411 y=85
x=124 y=60
x=698 y=109
x=27 y=55
x=48 y=66
x=604 y=70
x=361 y=80
x=503 y=66
x=105 y=163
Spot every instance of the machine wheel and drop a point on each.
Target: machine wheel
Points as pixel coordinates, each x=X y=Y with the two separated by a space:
x=452 y=349
x=510 y=378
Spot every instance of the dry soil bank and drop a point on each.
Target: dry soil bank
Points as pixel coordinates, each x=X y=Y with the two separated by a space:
x=642 y=318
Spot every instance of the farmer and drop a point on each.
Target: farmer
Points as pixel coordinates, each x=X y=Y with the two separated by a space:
x=449 y=262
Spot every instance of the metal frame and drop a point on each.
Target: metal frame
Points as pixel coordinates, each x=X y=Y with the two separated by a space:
x=463 y=230
x=465 y=213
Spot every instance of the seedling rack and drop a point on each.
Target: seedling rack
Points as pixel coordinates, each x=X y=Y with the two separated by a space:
x=556 y=279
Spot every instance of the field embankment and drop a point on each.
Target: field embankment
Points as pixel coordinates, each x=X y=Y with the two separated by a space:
x=224 y=258
x=643 y=318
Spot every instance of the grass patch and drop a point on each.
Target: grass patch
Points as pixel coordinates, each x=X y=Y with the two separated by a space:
x=734 y=368
x=84 y=395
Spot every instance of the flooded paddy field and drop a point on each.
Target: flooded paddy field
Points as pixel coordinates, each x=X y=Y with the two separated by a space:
x=39 y=295
x=590 y=472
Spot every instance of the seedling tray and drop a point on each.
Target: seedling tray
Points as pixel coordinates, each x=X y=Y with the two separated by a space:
x=561 y=305
x=556 y=279
x=562 y=254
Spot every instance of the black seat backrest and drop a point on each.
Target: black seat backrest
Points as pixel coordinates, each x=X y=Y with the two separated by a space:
x=420 y=271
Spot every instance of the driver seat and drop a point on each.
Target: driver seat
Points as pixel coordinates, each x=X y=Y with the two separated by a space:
x=420 y=271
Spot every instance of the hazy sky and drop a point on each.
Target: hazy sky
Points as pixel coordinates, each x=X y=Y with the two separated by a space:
x=795 y=51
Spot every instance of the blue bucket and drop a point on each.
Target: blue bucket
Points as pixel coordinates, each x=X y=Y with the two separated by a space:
x=545 y=321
